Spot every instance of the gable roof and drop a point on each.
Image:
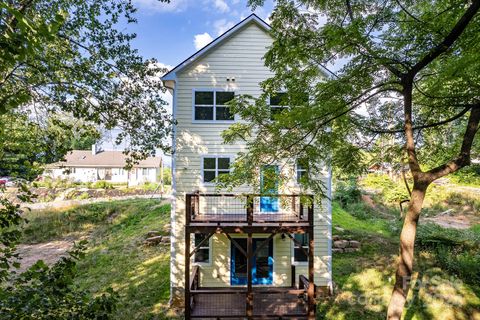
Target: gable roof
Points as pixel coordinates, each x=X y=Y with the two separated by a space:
x=171 y=75
x=102 y=159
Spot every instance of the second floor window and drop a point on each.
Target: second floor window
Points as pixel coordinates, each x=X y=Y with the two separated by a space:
x=277 y=104
x=212 y=105
x=215 y=166
x=301 y=171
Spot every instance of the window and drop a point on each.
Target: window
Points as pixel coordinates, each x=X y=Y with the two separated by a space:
x=277 y=104
x=298 y=254
x=203 y=254
x=215 y=166
x=301 y=171
x=144 y=172
x=212 y=105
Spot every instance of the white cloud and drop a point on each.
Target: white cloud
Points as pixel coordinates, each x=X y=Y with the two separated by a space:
x=221 y=5
x=157 y=6
x=222 y=25
x=201 y=40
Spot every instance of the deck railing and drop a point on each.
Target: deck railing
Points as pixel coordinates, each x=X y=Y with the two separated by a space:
x=233 y=301
x=249 y=208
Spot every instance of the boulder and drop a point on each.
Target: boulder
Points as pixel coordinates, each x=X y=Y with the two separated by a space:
x=340 y=244
x=354 y=244
x=166 y=239
x=153 y=233
x=350 y=250
x=153 y=240
x=337 y=250
x=336 y=238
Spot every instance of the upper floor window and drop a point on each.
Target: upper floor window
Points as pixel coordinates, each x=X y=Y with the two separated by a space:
x=215 y=166
x=210 y=105
x=301 y=169
x=277 y=104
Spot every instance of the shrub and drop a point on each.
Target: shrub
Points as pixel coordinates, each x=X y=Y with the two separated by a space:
x=44 y=292
x=149 y=186
x=389 y=191
x=83 y=196
x=347 y=192
x=457 y=251
x=102 y=184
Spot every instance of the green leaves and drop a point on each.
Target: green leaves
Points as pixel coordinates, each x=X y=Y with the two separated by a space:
x=358 y=108
x=69 y=57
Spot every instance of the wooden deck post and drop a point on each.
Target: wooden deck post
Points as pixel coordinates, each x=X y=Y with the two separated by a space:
x=187 y=274
x=311 y=283
x=250 y=209
x=249 y=306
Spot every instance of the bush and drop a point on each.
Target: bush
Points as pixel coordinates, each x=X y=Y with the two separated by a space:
x=44 y=292
x=101 y=184
x=389 y=191
x=83 y=196
x=456 y=251
x=468 y=176
x=149 y=186
x=347 y=192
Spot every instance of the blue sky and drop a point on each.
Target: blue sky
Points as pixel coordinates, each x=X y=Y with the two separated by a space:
x=171 y=32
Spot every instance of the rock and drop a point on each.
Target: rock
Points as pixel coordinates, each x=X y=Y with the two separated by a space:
x=153 y=233
x=153 y=240
x=337 y=250
x=166 y=239
x=350 y=250
x=354 y=244
x=339 y=229
x=340 y=244
x=336 y=238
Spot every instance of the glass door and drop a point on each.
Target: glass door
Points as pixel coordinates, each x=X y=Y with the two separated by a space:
x=262 y=266
x=269 y=185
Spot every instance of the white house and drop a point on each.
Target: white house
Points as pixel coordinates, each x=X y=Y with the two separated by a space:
x=95 y=165
x=253 y=253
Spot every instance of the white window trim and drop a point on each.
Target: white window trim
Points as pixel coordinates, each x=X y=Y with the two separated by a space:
x=296 y=172
x=214 y=90
x=275 y=105
x=216 y=156
x=205 y=264
x=294 y=262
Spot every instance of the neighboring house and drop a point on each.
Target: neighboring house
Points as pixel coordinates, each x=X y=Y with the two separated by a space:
x=91 y=166
x=253 y=253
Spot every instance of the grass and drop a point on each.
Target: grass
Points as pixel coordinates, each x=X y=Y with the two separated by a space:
x=364 y=280
x=116 y=256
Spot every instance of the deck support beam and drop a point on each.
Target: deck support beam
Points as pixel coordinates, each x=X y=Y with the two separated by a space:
x=187 y=275
x=249 y=277
x=311 y=284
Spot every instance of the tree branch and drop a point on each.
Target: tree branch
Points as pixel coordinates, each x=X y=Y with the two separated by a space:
x=463 y=158
x=454 y=34
x=430 y=125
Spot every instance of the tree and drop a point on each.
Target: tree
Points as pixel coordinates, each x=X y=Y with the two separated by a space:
x=70 y=56
x=26 y=145
x=411 y=65
x=64 y=60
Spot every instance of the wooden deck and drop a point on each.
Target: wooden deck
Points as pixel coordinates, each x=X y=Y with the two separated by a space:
x=232 y=305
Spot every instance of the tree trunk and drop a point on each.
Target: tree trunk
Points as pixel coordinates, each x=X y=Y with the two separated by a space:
x=407 y=244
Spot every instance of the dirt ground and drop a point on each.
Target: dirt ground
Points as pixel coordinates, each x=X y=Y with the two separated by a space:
x=50 y=252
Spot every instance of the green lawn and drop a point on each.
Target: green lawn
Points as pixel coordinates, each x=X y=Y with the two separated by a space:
x=116 y=256
x=364 y=280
